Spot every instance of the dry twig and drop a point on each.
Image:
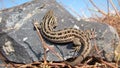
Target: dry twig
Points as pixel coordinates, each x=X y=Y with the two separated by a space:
x=109 y=64
x=114 y=8
x=102 y=12
x=44 y=44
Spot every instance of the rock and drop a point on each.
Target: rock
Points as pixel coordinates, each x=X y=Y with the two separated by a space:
x=1 y=64
x=21 y=44
x=2 y=61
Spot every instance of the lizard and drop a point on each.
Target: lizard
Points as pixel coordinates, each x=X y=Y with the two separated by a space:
x=66 y=35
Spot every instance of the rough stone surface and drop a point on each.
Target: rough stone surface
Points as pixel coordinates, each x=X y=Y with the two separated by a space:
x=1 y=64
x=20 y=43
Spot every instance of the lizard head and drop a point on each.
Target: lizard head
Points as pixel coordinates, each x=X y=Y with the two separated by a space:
x=52 y=19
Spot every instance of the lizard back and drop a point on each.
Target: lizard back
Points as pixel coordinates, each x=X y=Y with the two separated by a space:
x=65 y=35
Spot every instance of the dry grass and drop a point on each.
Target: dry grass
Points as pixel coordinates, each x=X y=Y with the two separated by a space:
x=112 y=19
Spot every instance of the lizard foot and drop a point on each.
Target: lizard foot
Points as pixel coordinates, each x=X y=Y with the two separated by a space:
x=76 y=48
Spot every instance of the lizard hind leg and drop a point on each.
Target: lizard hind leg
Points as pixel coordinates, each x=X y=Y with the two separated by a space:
x=77 y=44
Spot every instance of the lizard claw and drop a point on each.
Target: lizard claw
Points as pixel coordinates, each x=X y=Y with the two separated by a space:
x=76 y=48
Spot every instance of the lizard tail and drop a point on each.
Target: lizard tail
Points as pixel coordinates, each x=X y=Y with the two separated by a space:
x=75 y=62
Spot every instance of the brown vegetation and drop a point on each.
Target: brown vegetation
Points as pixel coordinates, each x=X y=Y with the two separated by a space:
x=112 y=19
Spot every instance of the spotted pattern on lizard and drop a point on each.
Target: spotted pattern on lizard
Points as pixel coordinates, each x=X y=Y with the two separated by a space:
x=78 y=37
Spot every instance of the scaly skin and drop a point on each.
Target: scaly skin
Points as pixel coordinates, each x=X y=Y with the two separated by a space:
x=66 y=35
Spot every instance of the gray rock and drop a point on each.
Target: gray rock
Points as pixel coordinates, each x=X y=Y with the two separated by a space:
x=1 y=64
x=21 y=44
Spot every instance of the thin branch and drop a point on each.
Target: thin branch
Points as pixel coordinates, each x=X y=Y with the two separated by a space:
x=44 y=44
x=118 y=2
x=108 y=7
x=74 y=12
x=57 y=64
x=85 y=64
x=114 y=8
x=109 y=64
x=95 y=44
x=102 y=12
x=71 y=9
